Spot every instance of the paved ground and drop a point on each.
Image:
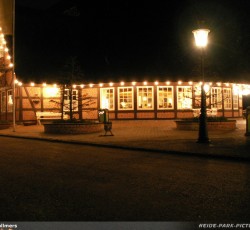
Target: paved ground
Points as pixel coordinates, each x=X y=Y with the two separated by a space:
x=153 y=135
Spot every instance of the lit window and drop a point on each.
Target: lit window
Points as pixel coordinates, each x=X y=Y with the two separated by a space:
x=51 y=92
x=145 y=98
x=107 y=98
x=216 y=97
x=227 y=98
x=10 y=101
x=197 y=95
x=165 y=97
x=125 y=98
x=74 y=96
x=184 y=97
x=235 y=101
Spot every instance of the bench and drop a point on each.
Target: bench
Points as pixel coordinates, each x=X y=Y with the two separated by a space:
x=49 y=115
x=210 y=112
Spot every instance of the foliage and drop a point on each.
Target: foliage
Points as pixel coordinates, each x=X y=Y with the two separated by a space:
x=71 y=103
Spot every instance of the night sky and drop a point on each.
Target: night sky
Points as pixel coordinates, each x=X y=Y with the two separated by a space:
x=131 y=40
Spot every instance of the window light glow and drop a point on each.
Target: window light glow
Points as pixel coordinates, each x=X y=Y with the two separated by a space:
x=206 y=88
x=236 y=89
x=50 y=91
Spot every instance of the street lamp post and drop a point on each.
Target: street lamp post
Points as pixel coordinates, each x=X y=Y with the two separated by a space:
x=201 y=40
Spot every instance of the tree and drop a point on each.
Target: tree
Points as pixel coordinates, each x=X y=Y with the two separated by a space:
x=70 y=97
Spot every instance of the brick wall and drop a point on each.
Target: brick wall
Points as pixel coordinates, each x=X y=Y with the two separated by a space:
x=145 y=115
x=73 y=128
x=126 y=115
x=166 y=115
x=186 y=114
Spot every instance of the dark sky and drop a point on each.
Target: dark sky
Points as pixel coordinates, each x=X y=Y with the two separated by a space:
x=131 y=39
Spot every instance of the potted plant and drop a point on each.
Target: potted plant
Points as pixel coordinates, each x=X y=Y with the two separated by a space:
x=73 y=102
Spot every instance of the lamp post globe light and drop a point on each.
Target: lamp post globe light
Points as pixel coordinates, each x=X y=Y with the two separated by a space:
x=201 y=40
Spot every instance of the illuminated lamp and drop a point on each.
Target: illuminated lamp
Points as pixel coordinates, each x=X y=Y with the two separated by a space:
x=201 y=41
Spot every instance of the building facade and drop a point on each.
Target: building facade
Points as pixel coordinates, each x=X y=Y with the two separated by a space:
x=124 y=100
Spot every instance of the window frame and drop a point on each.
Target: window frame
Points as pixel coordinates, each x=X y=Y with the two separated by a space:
x=227 y=101
x=172 y=97
x=235 y=101
x=113 y=98
x=119 y=98
x=190 y=99
x=67 y=100
x=219 y=97
x=9 y=104
x=152 y=97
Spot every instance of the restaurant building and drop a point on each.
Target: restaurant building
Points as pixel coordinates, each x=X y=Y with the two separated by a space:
x=124 y=100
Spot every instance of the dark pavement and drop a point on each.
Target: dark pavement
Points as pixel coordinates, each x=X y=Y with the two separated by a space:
x=152 y=135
